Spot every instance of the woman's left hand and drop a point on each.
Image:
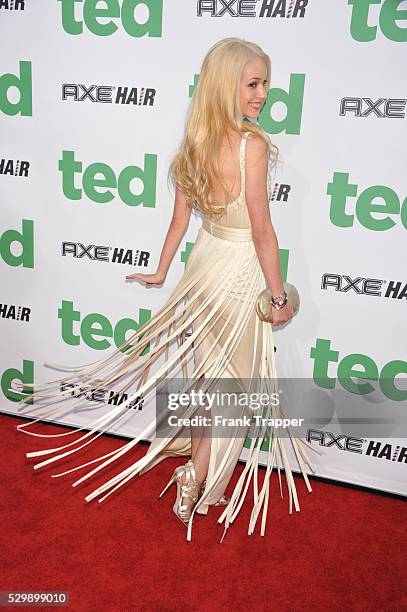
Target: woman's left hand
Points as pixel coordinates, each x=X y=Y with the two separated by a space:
x=149 y=279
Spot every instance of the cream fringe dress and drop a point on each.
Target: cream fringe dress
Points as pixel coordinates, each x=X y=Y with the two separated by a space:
x=215 y=298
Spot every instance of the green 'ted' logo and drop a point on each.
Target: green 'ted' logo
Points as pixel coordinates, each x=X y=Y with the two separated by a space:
x=185 y=253
x=96 y=330
x=366 y=208
x=26 y=376
x=389 y=14
x=23 y=83
x=100 y=189
x=103 y=20
x=292 y=99
x=356 y=366
x=25 y=240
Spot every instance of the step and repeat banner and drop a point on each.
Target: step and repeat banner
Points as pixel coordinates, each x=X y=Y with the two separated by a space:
x=93 y=98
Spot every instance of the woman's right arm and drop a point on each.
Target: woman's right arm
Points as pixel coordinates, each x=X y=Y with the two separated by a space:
x=178 y=226
x=264 y=237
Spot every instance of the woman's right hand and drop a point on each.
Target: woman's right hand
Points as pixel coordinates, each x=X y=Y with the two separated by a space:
x=148 y=279
x=282 y=315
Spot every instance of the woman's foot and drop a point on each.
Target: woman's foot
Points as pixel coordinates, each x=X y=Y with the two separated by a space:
x=188 y=488
x=222 y=501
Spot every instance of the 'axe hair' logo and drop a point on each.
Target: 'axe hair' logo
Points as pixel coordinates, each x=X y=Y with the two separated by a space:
x=137 y=96
x=364 y=286
x=283 y=9
x=363 y=107
x=280 y=192
x=12 y=5
x=14 y=167
x=17 y=313
x=103 y=395
x=373 y=448
x=132 y=257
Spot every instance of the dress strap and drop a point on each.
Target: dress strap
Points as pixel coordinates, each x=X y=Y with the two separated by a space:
x=242 y=161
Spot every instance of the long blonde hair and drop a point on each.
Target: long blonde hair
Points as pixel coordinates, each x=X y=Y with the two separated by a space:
x=215 y=106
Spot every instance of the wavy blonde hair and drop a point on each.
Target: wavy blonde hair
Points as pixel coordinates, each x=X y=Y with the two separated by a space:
x=215 y=106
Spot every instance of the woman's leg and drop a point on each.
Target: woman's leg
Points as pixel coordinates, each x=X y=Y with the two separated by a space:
x=200 y=445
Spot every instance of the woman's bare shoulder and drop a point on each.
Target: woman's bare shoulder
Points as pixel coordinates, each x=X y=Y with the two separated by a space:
x=257 y=149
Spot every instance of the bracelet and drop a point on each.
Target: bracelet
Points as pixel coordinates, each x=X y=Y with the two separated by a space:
x=279 y=296
x=279 y=305
x=279 y=301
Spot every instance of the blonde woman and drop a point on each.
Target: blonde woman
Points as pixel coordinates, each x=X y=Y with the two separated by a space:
x=222 y=171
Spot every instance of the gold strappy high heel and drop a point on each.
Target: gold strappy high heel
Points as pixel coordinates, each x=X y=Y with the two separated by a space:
x=189 y=489
x=223 y=501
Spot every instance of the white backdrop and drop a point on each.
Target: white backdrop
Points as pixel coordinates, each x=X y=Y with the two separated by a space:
x=325 y=56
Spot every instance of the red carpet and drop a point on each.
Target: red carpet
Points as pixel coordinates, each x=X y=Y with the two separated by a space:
x=345 y=549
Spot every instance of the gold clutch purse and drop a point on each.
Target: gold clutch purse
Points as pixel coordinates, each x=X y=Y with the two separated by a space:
x=264 y=308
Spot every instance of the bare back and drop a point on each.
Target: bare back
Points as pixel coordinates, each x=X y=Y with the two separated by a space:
x=230 y=169
x=233 y=165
